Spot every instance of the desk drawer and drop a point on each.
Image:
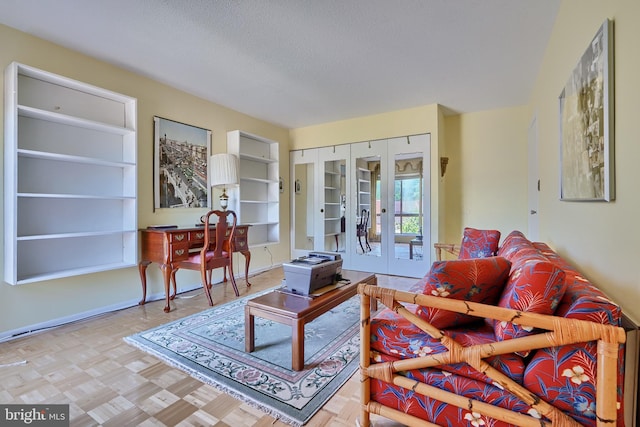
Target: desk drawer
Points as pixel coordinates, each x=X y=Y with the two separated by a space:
x=179 y=251
x=240 y=243
x=179 y=237
x=196 y=238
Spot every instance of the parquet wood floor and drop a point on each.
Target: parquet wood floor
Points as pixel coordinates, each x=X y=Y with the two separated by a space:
x=107 y=382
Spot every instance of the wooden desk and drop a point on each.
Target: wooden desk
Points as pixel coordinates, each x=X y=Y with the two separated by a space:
x=296 y=311
x=165 y=246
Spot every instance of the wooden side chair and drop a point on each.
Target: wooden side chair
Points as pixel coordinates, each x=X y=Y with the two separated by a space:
x=362 y=230
x=216 y=253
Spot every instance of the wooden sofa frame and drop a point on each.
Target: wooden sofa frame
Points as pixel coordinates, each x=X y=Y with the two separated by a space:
x=450 y=248
x=561 y=331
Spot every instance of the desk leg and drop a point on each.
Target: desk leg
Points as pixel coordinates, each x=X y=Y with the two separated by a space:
x=166 y=273
x=297 y=346
x=247 y=260
x=142 y=269
x=249 y=330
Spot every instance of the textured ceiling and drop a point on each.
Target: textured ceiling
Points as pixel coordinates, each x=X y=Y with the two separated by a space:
x=302 y=62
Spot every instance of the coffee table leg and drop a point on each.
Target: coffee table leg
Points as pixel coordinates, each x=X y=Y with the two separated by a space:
x=297 y=346
x=249 y=330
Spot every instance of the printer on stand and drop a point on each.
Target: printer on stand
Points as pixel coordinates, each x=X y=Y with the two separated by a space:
x=305 y=275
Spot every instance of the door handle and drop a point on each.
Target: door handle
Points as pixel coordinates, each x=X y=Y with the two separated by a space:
x=533 y=212
x=384 y=210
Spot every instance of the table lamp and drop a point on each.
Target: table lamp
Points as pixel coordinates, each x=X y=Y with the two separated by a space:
x=224 y=173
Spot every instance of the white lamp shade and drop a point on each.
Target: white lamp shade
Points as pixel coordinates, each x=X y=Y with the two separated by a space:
x=223 y=170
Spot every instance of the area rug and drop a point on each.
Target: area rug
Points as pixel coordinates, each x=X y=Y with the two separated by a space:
x=210 y=347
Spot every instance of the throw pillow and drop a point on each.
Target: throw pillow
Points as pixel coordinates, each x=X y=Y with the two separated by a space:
x=535 y=286
x=479 y=243
x=477 y=280
x=514 y=244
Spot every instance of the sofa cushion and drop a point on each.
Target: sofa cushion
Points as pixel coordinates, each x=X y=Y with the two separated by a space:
x=566 y=376
x=441 y=414
x=517 y=246
x=479 y=243
x=477 y=280
x=393 y=337
x=534 y=286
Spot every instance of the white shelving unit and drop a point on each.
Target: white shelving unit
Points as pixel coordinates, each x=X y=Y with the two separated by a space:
x=69 y=177
x=257 y=199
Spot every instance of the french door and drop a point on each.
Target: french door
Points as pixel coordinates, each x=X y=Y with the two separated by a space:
x=331 y=181
x=318 y=200
x=388 y=214
x=304 y=199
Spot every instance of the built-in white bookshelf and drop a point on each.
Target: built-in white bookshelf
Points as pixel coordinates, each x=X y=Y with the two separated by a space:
x=70 y=176
x=257 y=198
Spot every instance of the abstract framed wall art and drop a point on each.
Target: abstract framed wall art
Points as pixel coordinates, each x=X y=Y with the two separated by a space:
x=586 y=124
x=181 y=165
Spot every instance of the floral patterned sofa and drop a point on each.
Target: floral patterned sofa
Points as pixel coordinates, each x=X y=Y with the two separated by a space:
x=501 y=336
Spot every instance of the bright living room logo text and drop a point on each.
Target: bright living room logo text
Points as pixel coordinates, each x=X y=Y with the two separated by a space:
x=34 y=415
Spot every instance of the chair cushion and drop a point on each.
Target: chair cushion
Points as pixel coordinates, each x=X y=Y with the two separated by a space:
x=534 y=286
x=479 y=243
x=195 y=258
x=477 y=280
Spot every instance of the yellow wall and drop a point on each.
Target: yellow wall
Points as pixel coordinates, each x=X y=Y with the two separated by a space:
x=486 y=178
x=599 y=238
x=33 y=304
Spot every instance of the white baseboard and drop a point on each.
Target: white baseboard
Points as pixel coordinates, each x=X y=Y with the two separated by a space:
x=53 y=323
x=43 y=326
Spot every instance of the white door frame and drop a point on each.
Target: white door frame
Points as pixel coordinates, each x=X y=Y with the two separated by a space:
x=533 y=192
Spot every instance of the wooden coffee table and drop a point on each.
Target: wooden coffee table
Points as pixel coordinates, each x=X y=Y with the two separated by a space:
x=296 y=311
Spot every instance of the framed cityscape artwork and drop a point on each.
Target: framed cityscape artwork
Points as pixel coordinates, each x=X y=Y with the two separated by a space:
x=586 y=124
x=181 y=160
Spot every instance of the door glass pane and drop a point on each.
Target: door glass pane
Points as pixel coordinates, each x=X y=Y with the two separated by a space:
x=303 y=206
x=334 y=192
x=368 y=228
x=407 y=206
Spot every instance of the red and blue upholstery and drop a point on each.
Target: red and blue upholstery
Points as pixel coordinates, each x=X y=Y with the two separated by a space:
x=524 y=276
x=478 y=280
x=478 y=243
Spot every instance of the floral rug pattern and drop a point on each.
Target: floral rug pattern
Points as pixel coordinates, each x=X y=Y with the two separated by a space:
x=210 y=346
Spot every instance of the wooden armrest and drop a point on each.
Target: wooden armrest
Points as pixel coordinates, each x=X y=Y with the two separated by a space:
x=451 y=248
